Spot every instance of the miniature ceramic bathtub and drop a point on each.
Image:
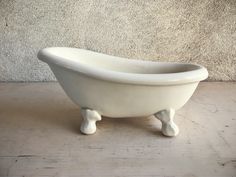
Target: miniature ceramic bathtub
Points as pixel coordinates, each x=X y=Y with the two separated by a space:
x=104 y=85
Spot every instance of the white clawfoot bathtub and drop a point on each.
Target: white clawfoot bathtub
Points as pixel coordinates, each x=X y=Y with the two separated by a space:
x=104 y=85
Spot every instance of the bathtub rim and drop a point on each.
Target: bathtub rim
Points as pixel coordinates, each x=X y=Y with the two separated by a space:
x=185 y=77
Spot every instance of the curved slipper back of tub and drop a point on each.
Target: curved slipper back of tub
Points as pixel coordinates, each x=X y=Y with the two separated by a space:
x=123 y=70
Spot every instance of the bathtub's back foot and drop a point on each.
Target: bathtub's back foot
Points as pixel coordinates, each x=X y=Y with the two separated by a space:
x=90 y=117
x=169 y=128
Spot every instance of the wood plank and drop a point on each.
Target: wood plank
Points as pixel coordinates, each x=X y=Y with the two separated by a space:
x=39 y=136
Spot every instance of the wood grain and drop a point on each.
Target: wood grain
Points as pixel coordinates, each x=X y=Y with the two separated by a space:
x=40 y=137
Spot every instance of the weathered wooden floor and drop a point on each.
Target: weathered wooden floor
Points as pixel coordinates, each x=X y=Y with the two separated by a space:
x=40 y=137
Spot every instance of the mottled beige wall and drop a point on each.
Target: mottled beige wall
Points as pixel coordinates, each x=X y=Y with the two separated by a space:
x=196 y=31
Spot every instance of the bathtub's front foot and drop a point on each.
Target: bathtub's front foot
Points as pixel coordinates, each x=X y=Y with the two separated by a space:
x=90 y=117
x=169 y=128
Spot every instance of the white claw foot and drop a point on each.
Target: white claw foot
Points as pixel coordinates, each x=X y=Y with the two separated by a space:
x=90 y=117
x=169 y=128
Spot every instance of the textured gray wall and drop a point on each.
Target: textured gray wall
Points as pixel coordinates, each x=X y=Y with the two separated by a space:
x=196 y=31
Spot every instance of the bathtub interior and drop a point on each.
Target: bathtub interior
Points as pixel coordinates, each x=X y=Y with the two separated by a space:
x=118 y=64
